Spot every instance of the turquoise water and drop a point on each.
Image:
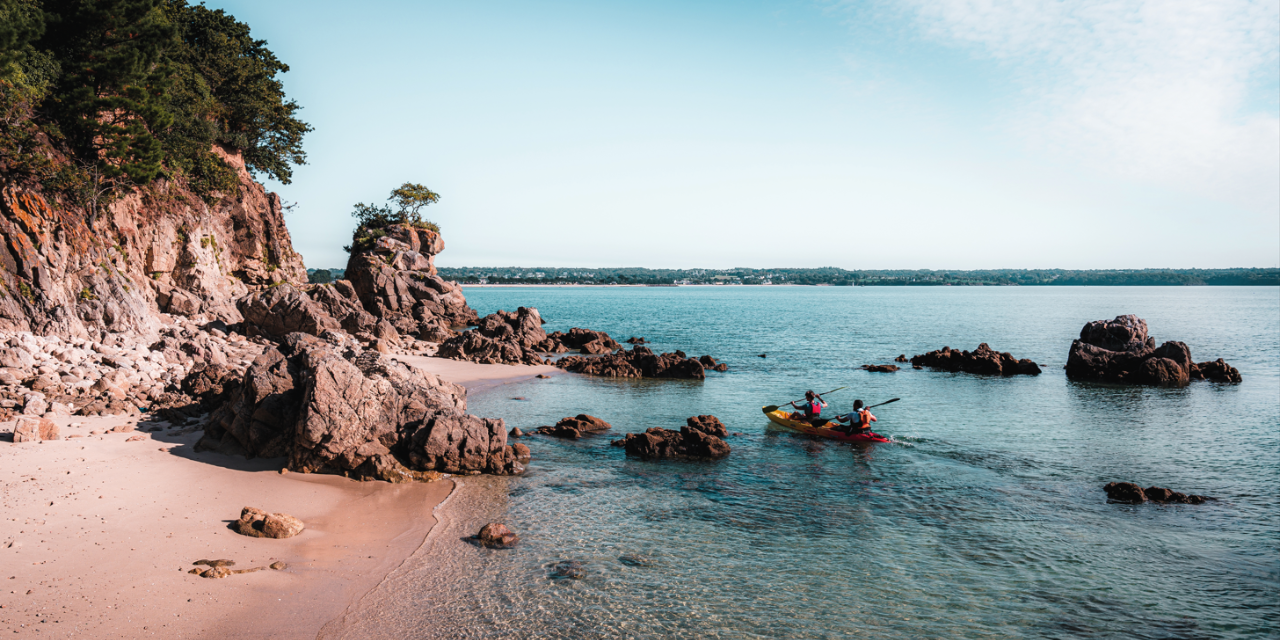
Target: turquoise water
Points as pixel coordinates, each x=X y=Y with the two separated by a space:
x=984 y=519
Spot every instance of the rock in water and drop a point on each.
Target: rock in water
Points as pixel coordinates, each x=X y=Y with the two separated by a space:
x=1130 y=493
x=575 y=427
x=566 y=570
x=496 y=535
x=710 y=364
x=709 y=425
x=901 y=358
x=1125 y=492
x=260 y=524
x=685 y=444
x=983 y=360
x=639 y=362
x=880 y=368
x=1120 y=351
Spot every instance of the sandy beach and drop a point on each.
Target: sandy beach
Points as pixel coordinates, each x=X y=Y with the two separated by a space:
x=100 y=529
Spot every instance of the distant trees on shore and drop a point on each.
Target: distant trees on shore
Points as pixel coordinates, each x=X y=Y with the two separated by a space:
x=831 y=276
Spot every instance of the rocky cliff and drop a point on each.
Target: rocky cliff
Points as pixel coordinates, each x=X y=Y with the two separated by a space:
x=69 y=271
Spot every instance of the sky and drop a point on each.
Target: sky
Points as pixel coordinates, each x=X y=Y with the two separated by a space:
x=919 y=134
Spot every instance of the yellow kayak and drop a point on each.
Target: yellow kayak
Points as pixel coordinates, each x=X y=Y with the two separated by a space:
x=783 y=418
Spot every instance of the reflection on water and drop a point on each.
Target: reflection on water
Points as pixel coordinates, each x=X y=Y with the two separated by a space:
x=984 y=519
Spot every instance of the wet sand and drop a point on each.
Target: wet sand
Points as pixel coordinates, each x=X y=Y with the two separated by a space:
x=98 y=533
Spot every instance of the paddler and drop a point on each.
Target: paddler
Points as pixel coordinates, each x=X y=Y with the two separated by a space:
x=812 y=407
x=859 y=419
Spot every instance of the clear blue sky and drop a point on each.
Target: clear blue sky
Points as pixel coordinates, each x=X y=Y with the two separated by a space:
x=862 y=135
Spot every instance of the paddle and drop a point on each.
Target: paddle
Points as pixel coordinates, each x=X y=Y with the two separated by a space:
x=773 y=407
x=885 y=402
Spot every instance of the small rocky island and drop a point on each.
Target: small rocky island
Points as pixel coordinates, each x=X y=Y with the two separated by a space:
x=1120 y=351
x=984 y=361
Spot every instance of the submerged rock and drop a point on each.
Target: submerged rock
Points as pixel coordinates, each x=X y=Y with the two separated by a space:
x=984 y=360
x=566 y=570
x=575 y=427
x=1120 y=351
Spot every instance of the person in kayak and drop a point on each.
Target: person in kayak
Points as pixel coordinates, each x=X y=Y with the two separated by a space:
x=812 y=408
x=859 y=419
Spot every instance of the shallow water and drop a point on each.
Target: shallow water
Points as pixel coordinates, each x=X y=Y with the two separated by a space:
x=985 y=518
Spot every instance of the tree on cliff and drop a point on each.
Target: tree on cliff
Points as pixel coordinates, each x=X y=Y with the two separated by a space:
x=132 y=90
x=226 y=90
x=409 y=198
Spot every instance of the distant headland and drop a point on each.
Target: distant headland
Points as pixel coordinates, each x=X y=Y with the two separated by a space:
x=840 y=277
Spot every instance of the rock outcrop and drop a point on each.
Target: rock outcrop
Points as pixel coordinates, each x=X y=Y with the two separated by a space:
x=154 y=249
x=639 y=362
x=333 y=407
x=984 y=360
x=575 y=427
x=1120 y=351
x=396 y=281
x=688 y=443
x=499 y=338
x=709 y=425
x=277 y=311
x=260 y=524
x=709 y=364
x=1130 y=493
x=581 y=340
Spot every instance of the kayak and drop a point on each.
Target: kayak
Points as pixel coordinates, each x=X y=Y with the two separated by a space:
x=780 y=417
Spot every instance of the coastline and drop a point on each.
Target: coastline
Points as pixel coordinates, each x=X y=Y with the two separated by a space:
x=100 y=531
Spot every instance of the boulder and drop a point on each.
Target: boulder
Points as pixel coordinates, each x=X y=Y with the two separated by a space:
x=34 y=429
x=575 y=427
x=635 y=340
x=496 y=535
x=277 y=311
x=260 y=524
x=709 y=425
x=396 y=280
x=354 y=412
x=685 y=444
x=901 y=358
x=984 y=360
x=639 y=362
x=1120 y=351
x=582 y=340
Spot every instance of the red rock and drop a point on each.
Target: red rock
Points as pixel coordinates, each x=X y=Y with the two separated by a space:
x=260 y=524
x=639 y=362
x=1216 y=371
x=1120 y=351
x=880 y=368
x=497 y=535
x=710 y=425
x=575 y=427
x=686 y=444
x=33 y=429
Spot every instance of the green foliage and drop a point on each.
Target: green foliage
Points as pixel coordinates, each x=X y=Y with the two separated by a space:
x=132 y=90
x=320 y=276
x=226 y=91
x=26 y=292
x=86 y=294
x=409 y=199
x=21 y=22
x=110 y=97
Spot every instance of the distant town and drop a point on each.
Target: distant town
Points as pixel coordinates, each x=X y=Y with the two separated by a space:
x=831 y=276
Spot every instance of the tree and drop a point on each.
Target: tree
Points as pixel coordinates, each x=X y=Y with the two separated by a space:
x=21 y=22
x=371 y=220
x=226 y=90
x=109 y=99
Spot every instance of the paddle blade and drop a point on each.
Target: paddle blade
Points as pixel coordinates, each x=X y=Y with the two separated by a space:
x=769 y=409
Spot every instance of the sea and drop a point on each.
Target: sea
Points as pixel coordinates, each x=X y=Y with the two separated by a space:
x=984 y=517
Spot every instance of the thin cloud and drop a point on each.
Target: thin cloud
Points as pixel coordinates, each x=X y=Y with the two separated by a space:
x=1157 y=91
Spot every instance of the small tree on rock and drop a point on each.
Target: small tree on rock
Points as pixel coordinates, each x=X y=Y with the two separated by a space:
x=372 y=220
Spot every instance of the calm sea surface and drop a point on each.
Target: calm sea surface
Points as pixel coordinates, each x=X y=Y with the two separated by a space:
x=984 y=519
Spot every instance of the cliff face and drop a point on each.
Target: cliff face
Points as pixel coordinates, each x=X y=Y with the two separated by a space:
x=65 y=272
